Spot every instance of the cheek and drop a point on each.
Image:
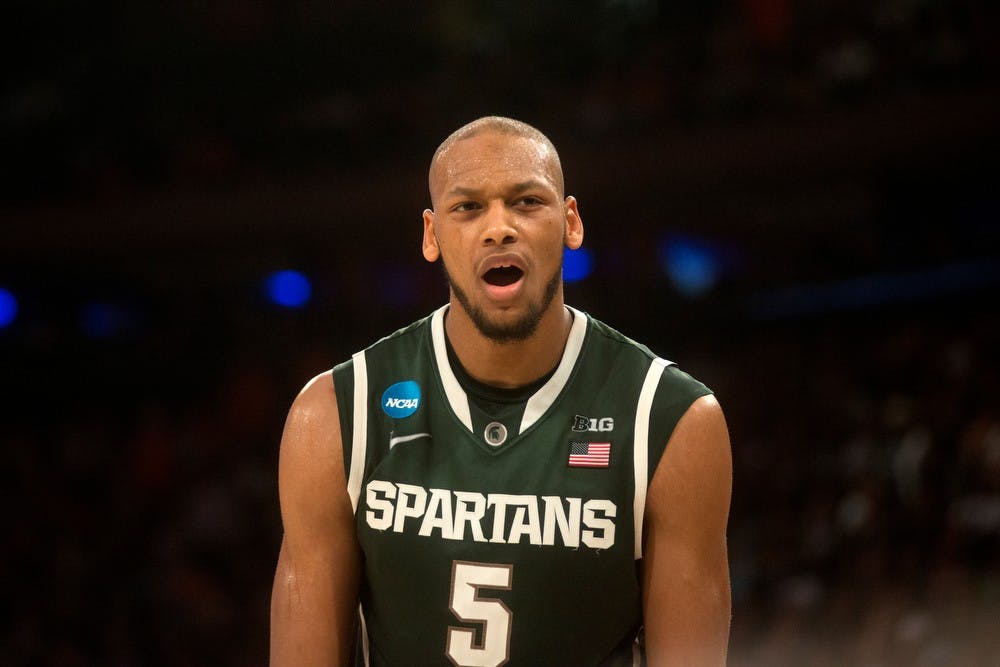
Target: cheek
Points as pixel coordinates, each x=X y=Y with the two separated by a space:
x=455 y=256
x=556 y=239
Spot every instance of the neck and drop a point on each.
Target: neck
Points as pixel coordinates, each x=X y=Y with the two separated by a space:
x=514 y=363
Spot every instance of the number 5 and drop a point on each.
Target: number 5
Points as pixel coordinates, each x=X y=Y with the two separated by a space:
x=493 y=649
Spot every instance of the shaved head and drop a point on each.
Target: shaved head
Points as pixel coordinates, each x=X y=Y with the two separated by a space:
x=497 y=125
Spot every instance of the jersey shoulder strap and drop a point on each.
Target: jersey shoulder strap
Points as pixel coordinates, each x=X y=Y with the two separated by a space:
x=667 y=392
x=351 y=382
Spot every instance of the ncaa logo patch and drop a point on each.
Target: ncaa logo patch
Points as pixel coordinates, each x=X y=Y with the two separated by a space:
x=401 y=399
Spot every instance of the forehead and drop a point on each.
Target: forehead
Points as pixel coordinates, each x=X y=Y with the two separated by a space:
x=491 y=158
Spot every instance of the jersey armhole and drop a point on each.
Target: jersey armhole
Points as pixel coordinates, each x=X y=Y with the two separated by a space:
x=343 y=380
x=676 y=392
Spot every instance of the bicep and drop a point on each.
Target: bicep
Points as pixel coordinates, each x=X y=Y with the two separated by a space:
x=314 y=597
x=686 y=596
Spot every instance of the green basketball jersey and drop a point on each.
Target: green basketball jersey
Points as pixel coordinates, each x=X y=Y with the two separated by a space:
x=513 y=540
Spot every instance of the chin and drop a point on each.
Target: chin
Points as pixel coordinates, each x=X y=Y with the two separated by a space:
x=509 y=331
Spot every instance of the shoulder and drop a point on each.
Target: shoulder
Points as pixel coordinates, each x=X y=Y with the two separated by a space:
x=311 y=443
x=696 y=467
x=704 y=419
x=315 y=399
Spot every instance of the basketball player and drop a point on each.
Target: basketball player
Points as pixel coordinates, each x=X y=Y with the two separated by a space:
x=508 y=480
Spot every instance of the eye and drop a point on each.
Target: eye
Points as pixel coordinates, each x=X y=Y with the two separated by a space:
x=465 y=207
x=529 y=200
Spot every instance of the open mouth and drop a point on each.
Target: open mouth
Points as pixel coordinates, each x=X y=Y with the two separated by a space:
x=502 y=276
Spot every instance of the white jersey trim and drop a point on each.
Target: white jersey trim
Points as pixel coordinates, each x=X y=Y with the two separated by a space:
x=539 y=402
x=543 y=399
x=640 y=446
x=457 y=398
x=359 y=436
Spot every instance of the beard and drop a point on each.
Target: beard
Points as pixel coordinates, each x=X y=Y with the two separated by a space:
x=507 y=332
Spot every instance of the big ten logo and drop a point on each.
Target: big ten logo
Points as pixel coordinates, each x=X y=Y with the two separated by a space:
x=603 y=424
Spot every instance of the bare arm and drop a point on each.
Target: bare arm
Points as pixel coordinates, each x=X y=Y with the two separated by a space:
x=315 y=594
x=686 y=598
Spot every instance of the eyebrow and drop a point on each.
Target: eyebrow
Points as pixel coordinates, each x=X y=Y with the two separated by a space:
x=516 y=188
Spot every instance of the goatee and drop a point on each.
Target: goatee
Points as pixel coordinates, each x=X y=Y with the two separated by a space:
x=507 y=332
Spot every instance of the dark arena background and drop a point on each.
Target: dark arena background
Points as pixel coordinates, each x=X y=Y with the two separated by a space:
x=206 y=203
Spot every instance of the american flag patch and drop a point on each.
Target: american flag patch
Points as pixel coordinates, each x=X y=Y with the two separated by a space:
x=589 y=454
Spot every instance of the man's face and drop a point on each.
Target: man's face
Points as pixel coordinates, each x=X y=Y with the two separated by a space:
x=499 y=225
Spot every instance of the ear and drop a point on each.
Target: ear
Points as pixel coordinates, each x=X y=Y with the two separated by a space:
x=430 y=247
x=574 y=224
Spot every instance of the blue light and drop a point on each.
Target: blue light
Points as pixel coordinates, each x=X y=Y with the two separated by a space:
x=692 y=265
x=8 y=307
x=577 y=264
x=289 y=288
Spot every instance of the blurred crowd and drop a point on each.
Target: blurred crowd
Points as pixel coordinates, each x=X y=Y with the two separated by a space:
x=866 y=518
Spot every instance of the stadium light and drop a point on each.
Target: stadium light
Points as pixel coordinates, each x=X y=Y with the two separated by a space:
x=692 y=265
x=577 y=264
x=8 y=307
x=288 y=288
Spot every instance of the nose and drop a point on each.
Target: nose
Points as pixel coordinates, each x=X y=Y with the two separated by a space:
x=499 y=225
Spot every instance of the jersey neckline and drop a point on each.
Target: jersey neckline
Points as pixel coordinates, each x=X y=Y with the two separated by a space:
x=538 y=403
x=480 y=392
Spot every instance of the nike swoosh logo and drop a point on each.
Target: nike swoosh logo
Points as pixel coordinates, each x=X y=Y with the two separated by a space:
x=406 y=438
